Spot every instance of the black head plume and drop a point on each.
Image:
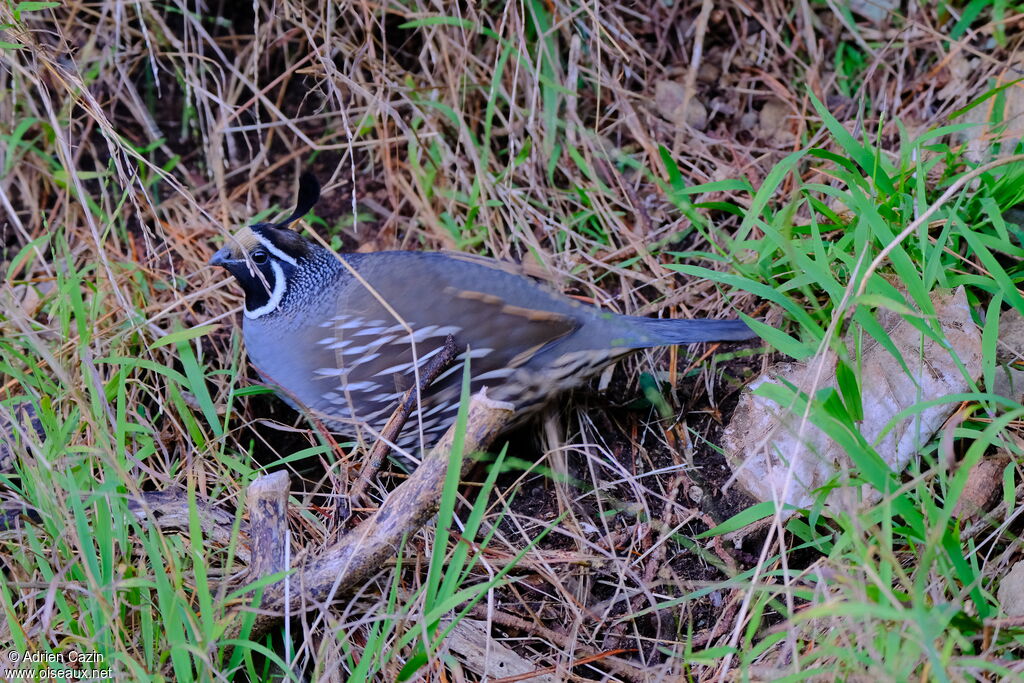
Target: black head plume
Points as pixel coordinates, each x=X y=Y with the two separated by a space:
x=309 y=194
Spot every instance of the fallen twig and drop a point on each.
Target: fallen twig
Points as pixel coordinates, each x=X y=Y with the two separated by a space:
x=360 y=554
x=267 y=503
x=618 y=666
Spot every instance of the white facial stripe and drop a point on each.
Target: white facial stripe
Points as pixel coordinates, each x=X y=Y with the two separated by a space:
x=268 y=245
x=275 y=296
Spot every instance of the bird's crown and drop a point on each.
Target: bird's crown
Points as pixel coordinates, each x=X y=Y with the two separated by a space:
x=251 y=240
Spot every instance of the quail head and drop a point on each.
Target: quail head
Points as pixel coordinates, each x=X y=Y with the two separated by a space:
x=345 y=335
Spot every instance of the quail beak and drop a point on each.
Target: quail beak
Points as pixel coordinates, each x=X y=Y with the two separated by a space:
x=221 y=258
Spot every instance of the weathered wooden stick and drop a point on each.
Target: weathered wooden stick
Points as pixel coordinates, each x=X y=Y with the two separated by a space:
x=267 y=502
x=360 y=554
x=168 y=510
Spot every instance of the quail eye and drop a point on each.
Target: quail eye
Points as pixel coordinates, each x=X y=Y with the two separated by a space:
x=260 y=256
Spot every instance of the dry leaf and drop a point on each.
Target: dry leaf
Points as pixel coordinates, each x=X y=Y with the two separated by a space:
x=876 y=11
x=981 y=492
x=1011 y=336
x=470 y=641
x=959 y=68
x=986 y=142
x=1011 y=591
x=773 y=123
x=669 y=101
x=1009 y=382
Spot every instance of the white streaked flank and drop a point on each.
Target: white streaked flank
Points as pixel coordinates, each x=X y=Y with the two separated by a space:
x=383 y=398
x=448 y=373
x=331 y=372
x=400 y=368
x=427 y=356
x=361 y=386
x=440 y=408
x=500 y=373
x=359 y=350
x=474 y=353
x=427 y=332
x=377 y=413
x=366 y=331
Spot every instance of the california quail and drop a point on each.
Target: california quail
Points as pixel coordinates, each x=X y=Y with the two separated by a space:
x=346 y=346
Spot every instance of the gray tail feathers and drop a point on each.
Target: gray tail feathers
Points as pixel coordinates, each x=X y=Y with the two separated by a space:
x=672 y=332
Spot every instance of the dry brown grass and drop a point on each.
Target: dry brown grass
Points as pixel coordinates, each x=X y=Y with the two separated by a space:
x=138 y=135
